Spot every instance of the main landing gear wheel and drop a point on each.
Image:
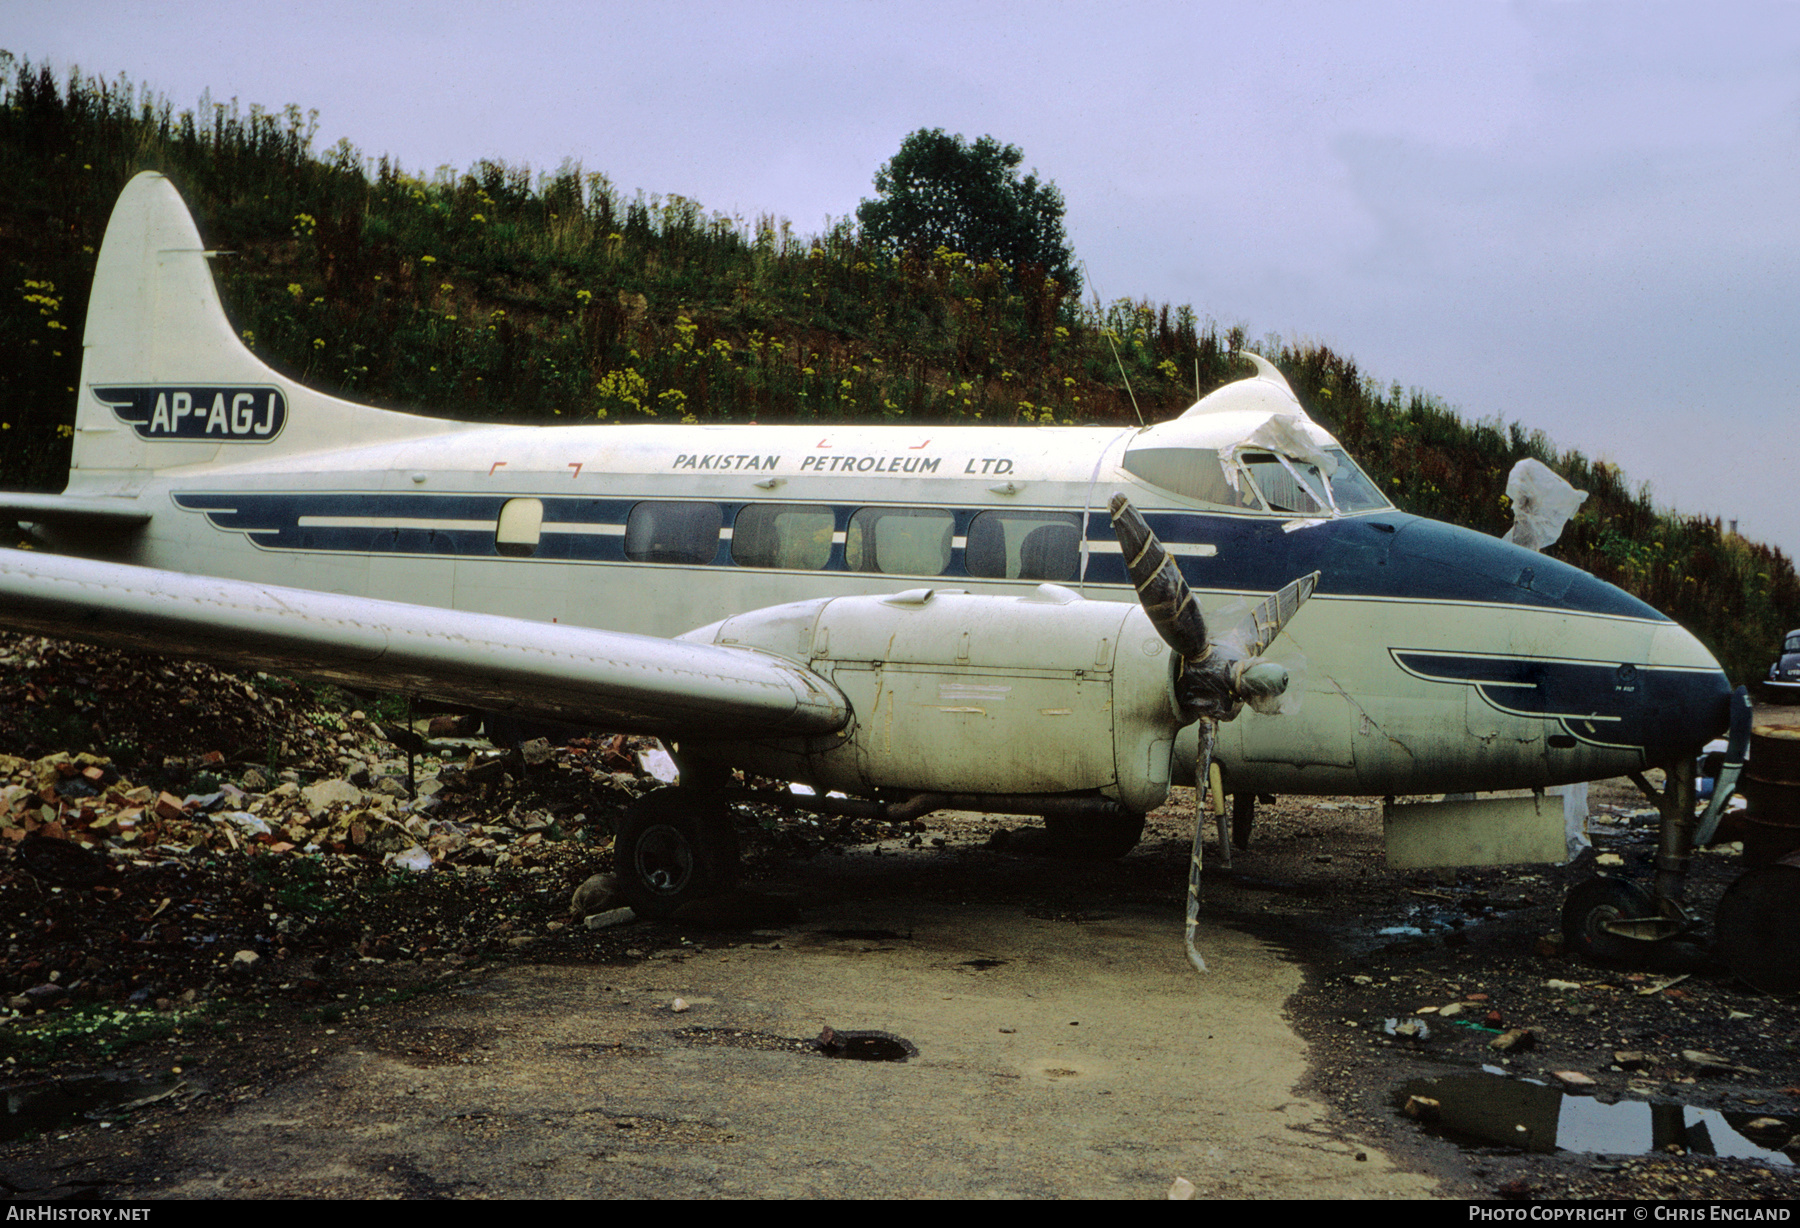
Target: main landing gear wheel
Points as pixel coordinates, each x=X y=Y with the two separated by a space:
x=672 y=848
x=1591 y=905
x=1757 y=928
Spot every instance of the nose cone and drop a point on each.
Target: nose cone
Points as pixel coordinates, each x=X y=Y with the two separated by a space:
x=1602 y=668
x=1689 y=703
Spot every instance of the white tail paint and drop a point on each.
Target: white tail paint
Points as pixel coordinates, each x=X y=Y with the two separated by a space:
x=156 y=326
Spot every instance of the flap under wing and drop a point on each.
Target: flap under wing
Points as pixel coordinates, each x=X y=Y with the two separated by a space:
x=85 y=512
x=602 y=679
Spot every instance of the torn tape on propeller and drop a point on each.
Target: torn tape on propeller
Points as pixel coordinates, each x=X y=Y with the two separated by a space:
x=1161 y=590
x=1202 y=774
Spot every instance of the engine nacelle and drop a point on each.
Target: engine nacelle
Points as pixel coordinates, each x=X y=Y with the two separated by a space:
x=1044 y=694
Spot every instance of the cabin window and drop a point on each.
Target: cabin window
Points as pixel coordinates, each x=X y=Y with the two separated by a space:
x=907 y=541
x=521 y=524
x=794 y=535
x=1024 y=546
x=673 y=533
x=1193 y=472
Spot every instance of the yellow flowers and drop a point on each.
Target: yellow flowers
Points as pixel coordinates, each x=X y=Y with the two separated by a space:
x=624 y=389
x=296 y=289
x=318 y=343
x=427 y=259
x=305 y=224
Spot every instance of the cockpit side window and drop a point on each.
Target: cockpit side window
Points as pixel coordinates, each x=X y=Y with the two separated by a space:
x=1193 y=472
x=1351 y=488
x=1293 y=487
x=1297 y=487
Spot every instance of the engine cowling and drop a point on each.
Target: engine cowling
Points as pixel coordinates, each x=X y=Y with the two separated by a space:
x=1043 y=694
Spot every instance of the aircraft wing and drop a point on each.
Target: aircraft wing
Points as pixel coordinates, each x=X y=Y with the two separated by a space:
x=602 y=679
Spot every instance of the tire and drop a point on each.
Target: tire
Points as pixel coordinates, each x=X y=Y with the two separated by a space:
x=1591 y=905
x=674 y=847
x=1094 y=838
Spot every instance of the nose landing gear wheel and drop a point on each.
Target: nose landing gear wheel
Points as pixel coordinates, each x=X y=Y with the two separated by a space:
x=672 y=849
x=1591 y=905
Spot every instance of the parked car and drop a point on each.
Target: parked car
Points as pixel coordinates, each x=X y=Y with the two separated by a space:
x=1783 y=684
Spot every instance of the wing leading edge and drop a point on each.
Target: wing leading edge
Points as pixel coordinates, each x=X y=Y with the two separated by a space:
x=605 y=679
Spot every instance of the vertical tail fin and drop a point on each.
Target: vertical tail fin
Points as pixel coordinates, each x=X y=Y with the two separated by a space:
x=165 y=381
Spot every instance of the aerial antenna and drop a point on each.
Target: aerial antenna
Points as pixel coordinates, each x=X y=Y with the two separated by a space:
x=1107 y=333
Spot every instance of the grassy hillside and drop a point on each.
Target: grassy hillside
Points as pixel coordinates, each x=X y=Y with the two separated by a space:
x=500 y=294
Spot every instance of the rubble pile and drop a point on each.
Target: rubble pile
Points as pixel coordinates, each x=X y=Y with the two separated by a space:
x=200 y=835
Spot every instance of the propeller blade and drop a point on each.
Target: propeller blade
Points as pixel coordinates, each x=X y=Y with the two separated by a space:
x=1268 y=618
x=1161 y=590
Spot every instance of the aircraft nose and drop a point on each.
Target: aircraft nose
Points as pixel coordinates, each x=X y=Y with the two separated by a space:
x=1608 y=669
x=1689 y=699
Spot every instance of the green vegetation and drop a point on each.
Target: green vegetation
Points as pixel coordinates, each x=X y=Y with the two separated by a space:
x=941 y=191
x=89 y=1030
x=495 y=293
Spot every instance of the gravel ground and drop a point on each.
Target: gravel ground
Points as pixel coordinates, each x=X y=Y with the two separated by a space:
x=196 y=962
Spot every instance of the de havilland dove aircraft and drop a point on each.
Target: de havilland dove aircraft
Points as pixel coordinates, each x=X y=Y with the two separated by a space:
x=912 y=616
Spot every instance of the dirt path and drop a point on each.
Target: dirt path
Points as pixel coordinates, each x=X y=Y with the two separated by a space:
x=1053 y=1060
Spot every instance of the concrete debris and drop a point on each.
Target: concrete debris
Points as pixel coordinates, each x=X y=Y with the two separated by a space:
x=69 y=816
x=610 y=918
x=415 y=859
x=323 y=796
x=1423 y=1108
x=1712 y=1063
x=1513 y=1040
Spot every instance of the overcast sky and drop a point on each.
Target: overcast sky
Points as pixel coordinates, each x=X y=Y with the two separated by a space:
x=1577 y=216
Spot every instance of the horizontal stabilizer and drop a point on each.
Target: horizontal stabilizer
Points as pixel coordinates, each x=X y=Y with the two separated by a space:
x=597 y=679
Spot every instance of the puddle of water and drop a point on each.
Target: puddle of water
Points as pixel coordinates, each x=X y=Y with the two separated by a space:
x=866 y=1046
x=38 y=1107
x=1487 y=1110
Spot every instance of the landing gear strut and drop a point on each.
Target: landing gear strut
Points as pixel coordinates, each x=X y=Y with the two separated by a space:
x=1612 y=919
